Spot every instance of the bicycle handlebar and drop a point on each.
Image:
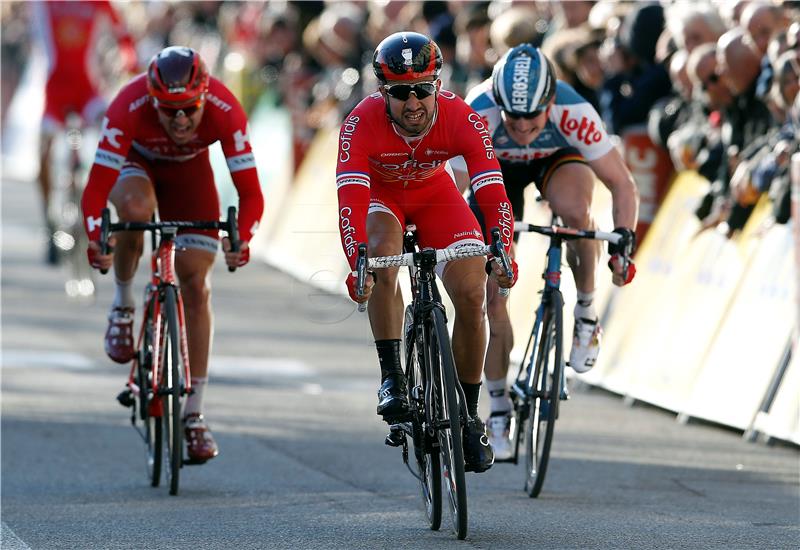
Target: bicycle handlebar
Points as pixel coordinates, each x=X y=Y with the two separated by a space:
x=409 y=259
x=228 y=225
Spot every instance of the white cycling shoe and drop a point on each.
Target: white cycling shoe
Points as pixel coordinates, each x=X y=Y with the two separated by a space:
x=498 y=428
x=585 y=344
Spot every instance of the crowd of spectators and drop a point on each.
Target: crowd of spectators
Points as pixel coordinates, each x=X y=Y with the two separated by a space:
x=714 y=82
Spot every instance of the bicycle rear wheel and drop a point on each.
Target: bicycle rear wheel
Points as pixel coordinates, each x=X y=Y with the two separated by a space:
x=448 y=418
x=171 y=391
x=425 y=452
x=546 y=389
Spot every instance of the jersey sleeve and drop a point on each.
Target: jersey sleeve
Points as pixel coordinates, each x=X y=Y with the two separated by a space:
x=116 y=136
x=238 y=153
x=579 y=123
x=353 y=183
x=474 y=142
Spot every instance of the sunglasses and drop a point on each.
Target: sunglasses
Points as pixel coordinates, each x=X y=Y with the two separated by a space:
x=403 y=91
x=175 y=112
x=713 y=78
x=518 y=116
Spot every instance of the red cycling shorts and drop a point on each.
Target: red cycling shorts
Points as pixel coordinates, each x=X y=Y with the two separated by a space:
x=434 y=205
x=185 y=190
x=61 y=98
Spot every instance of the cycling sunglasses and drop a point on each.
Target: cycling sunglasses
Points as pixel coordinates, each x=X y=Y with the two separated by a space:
x=175 y=112
x=403 y=91
x=518 y=116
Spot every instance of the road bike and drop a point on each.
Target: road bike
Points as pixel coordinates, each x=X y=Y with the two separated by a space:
x=437 y=406
x=67 y=237
x=160 y=377
x=540 y=383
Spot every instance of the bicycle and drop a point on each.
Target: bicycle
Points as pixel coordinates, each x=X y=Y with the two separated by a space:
x=67 y=238
x=160 y=377
x=437 y=406
x=540 y=383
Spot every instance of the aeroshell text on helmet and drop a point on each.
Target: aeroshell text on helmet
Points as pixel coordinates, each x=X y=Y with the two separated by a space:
x=519 y=86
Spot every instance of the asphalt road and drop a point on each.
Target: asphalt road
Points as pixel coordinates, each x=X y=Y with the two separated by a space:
x=303 y=465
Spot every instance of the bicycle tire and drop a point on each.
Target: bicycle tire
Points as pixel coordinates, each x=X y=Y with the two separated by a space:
x=449 y=432
x=153 y=427
x=171 y=395
x=425 y=455
x=546 y=386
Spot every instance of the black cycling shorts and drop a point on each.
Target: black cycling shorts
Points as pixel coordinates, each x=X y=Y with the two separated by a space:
x=518 y=175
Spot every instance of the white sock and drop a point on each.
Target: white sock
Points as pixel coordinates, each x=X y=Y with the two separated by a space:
x=123 y=295
x=584 y=309
x=498 y=395
x=194 y=403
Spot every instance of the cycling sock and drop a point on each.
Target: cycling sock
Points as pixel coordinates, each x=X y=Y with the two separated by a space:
x=473 y=394
x=123 y=295
x=500 y=402
x=194 y=402
x=389 y=358
x=584 y=309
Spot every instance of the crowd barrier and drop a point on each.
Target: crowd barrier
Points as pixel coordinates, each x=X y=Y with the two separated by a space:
x=703 y=330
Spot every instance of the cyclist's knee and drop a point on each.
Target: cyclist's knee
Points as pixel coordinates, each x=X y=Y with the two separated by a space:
x=134 y=199
x=496 y=311
x=196 y=291
x=470 y=303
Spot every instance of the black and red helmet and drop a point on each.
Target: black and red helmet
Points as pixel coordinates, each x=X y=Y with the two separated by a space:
x=177 y=77
x=406 y=56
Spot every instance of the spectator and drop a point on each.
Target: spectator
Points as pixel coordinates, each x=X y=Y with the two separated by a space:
x=518 y=25
x=761 y=21
x=693 y=25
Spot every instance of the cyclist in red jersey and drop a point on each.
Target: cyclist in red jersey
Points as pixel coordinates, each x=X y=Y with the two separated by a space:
x=393 y=148
x=153 y=152
x=69 y=33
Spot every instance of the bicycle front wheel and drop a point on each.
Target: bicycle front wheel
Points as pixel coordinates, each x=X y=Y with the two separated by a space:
x=544 y=397
x=422 y=438
x=448 y=420
x=171 y=390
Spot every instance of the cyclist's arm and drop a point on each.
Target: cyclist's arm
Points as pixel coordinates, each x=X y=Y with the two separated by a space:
x=116 y=136
x=127 y=46
x=612 y=171
x=353 y=184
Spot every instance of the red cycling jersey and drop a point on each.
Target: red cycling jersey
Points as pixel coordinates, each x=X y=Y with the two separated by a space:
x=69 y=32
x=131 y=126
x=374 y=157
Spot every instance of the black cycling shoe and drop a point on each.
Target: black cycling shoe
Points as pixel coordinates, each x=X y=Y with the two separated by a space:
x=392 y=399
x=478 y=453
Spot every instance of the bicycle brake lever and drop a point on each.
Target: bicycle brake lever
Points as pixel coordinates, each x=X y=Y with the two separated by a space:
x=233 y=233
x=361 y=274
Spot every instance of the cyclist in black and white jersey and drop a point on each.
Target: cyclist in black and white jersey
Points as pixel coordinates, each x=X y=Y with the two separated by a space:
x=545 y=133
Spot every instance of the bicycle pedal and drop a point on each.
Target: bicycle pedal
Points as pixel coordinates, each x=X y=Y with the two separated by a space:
x=396 y=436
x=126 y=399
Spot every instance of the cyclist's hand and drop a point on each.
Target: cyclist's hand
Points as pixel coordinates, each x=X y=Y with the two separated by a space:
x=98 y=260
x=616 y=265
x=351 y=287
x=238 y=258
x=494 y=269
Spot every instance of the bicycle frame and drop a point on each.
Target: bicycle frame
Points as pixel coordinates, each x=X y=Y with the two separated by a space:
x=162 y=274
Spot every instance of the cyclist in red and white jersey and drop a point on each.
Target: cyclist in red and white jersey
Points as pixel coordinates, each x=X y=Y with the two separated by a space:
x=153 y=152
x=393 y=149
x=69 y=33
x=546 y=134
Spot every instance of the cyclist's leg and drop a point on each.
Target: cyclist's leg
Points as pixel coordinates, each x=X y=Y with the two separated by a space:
x=385 y=224
x=134 y=200
x=569 y=191
x=49 y=127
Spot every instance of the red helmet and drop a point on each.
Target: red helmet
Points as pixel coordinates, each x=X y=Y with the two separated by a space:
x=177 y=77
x=406 y=56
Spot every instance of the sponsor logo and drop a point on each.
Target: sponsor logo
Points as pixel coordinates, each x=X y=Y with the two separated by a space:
x=394 y=154
x=93 y=223
x=137 y=103
x=345 y=137
x=585 y=129
x=407 y=56
x=471 y=233
x=240 y=139
x=347 y=230
x=219 y=103
x=519 y=83
x=506 y=223
x=479 y=124
x=413 y=164
x=109 y=134
x=447 y=94
x=431 y=152
x=554 y=277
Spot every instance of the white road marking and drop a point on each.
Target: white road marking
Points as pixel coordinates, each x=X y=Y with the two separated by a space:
x=225 y=365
